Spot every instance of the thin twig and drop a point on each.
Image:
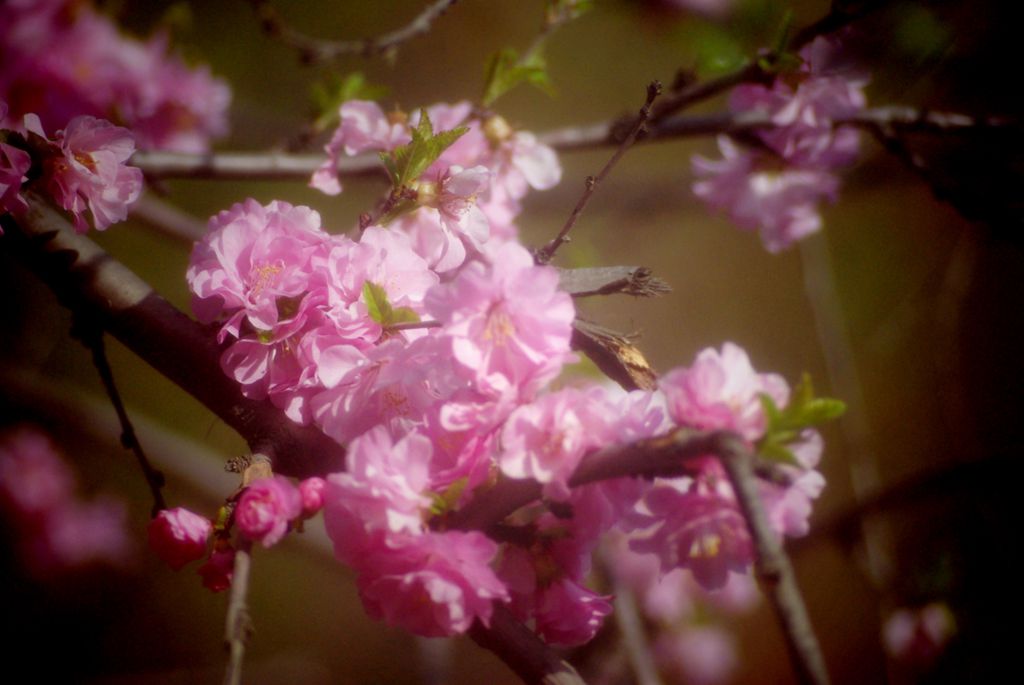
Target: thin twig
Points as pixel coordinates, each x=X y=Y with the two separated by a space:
x=774 y=570
x=413 y=325
x=545 y=253
x=637 y=281
x=316 y=50
x=238 y=624
x=627 y=618
x=92 y=337
x=168 y=219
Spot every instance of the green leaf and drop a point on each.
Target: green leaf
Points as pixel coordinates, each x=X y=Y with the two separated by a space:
x=380 y=310
x=506 y=70
x=443 y=502
x=405 y=164
x=377 y=305
x=774 y=451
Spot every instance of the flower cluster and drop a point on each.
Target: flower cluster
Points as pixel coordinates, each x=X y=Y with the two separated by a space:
x=777 y=186
x=264 y=512
x=83 y=167
x=55 y=530
x=429 y=346
x=60 y=59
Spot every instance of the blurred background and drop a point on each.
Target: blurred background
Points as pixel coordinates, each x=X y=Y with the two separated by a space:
x=907 y=306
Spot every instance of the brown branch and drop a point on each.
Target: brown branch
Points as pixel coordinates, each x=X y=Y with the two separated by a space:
x=278 y=166
x=90 y=282
x=168 y=219
x=316 y=50
x=238 y=624
x=544 y=254
x=523 y=651
x=774 y=570
x=637 y=281
x=667 y=455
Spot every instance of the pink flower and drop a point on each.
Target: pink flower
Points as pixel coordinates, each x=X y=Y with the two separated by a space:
x=79 y=533
x=63 y=59
x=265 y=509
x=363 y=127
x=218 y=569
x=918 y=636
x=569 y=614
x=33 y=478
x=546 y=439
x=432 y=585
x=90 y=170
x=383 y=491
x=458 y=218
x=252 y=258
x=508 y=323
x=179 y=536
x=696 y=526
x=759 y=194
x=311 y=491
x=702 y=655
x=722 y=391
x=14 y=165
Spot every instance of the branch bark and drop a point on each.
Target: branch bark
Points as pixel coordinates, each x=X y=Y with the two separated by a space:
x=90 y=282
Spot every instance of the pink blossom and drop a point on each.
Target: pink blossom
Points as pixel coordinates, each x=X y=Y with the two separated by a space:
x=722 y=391
x=789 y=507
x=758 y=194
x=432 y=585
x=218 y=569
x=311 y=490
x=363 y=127
x=383 y=492
x=546 y=439
x=508 y=323
x=696 y=526
x=265 y=509
x=568 y=614
x=78 y=533
x=33 y=477
x=14 y=165
x=253 y=259
x=918 y=636
x=454 y=196
x=90 y=170
x=179 y=536
x=702 y=655
x=63 y=59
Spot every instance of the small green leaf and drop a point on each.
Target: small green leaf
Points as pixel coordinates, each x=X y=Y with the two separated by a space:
x=773 y=451
x=443 y=502
x=377 y=305
x=403 y=315
x=405 y=163
x=506 y=70
x=380 y=310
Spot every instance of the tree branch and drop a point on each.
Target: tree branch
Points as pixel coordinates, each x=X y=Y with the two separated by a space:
x=279 y=166
x=238 y=624
x=774 y=570
x=637 y=281
x=87 y=280
x=523 y=651
x=316 y=50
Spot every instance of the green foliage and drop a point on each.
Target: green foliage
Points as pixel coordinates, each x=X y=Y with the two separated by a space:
x=380 y=309
x=506 y=70
x=329 y=95
x=405 y=164
x=566 y=10
x=784 y=425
